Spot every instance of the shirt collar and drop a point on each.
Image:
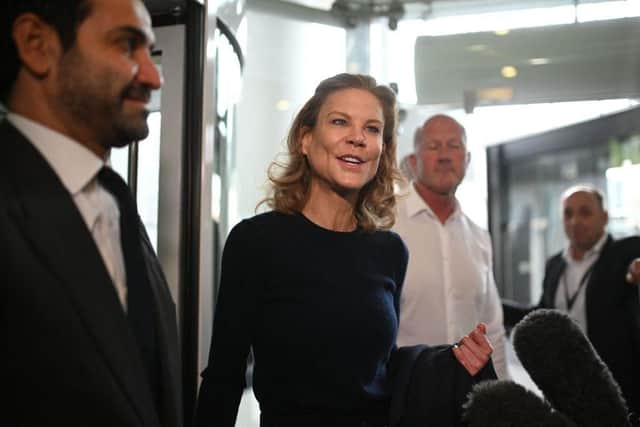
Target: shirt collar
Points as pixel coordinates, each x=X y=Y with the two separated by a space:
x=593 y=252
x=74 y=164
x=416 y=205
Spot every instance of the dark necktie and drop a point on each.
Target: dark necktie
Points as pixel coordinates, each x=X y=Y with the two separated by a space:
x=140 y=306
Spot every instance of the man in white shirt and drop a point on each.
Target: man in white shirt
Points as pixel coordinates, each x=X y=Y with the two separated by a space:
x=88 y=329
x=449 y=286
x=589 y=280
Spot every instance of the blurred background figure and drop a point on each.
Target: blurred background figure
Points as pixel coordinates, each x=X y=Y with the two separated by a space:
x=589 y=280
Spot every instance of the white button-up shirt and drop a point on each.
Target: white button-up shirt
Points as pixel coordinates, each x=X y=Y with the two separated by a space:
x=570 y=280
x=449 y=287
x=77 y=168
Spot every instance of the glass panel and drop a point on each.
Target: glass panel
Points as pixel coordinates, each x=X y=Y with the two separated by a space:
x=148 y=177
x=148 y=188
x=622 y=177
x=224 y=181
x=119 y=160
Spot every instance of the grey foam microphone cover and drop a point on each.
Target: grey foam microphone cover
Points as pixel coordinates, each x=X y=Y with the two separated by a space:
x=502 y=403
x=565 y=366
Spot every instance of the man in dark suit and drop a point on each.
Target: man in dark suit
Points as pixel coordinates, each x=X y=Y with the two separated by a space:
x=589 y=281
x=87 y=325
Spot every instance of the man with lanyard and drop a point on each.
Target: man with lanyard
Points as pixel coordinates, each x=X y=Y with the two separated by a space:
x=589 y=280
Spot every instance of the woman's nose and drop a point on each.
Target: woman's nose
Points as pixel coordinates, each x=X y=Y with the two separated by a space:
x=357 y=138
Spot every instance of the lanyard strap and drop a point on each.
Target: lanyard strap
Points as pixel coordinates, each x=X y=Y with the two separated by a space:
x=571 y=300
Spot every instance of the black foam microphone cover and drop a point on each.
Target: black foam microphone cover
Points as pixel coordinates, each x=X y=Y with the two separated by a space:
x=501 y=403
x=564 y=365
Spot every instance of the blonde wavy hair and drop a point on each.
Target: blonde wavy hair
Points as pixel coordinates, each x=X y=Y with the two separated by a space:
x=290 y=179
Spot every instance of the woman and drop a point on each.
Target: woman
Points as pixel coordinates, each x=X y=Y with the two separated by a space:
x=313 y=287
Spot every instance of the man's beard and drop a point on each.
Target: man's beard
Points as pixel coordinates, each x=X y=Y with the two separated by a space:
x=128 y=129
x=91 y=100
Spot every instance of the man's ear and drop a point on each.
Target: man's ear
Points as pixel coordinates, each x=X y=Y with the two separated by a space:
x=411 y=160
x=37 y=44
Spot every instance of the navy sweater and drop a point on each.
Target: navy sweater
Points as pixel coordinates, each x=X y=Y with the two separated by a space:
x=320 y=310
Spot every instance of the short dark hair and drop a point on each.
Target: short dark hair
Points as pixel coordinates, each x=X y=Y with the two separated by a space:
x=63 y=15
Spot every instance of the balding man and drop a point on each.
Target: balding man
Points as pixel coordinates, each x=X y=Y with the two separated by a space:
x=449 y=286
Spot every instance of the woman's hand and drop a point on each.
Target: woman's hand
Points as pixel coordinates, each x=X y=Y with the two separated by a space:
x=474 y=350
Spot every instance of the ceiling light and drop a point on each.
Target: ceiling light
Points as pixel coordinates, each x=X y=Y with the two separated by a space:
x=476 y=47
x=509 y=71
x=282 y=105
x=539 y=61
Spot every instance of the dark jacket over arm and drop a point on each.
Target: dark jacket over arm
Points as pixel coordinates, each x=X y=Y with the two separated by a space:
x=429 y=386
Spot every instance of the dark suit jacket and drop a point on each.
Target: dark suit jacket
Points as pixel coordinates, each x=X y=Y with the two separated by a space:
x=613 y=311
x=429 y=386
x=67 y=354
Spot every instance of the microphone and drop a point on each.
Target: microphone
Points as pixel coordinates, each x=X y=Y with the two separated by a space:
x=564 y=365
x=503 y=403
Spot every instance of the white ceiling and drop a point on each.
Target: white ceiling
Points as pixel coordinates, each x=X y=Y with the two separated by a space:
x=597 y=60
x=442 y=7
x=316 y=4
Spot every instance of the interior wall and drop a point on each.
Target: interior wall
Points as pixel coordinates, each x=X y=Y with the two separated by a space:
x=286 y=59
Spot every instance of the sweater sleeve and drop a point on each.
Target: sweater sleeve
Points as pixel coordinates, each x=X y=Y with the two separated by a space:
x=400 y=273
x=224 y=378
x=403 y=261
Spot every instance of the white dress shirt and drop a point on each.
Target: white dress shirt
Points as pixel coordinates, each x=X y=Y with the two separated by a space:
x=570 y=280
x=77 y=168
x=449 y=287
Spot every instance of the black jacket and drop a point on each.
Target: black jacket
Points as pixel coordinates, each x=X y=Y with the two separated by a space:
x=429 y=386
x=68 y=355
